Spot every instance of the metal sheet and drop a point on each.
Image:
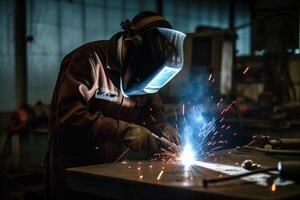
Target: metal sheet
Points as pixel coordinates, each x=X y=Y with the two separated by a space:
x=161 y=179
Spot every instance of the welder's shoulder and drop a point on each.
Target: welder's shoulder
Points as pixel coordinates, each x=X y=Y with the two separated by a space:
x=86 y=51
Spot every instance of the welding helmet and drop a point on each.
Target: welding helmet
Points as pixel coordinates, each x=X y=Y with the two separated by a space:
x=154 y=58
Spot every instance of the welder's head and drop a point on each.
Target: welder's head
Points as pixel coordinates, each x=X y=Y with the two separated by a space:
x=154 y=54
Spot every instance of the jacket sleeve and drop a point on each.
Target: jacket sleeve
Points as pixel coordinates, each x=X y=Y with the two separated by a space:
x=77 y=86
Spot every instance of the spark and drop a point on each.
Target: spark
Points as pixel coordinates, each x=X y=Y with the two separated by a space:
x=210 y=76
x=223 y=111
x=218 y=147
x=141 y=177
x=273 y=187
x=220 y=102
x=246 y=70
x=152 y=118
x=122 y=155
x=159 y=175
x=228 y=107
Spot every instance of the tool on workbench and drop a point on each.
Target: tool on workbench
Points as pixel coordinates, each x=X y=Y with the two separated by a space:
x=287 y=170
x=250 y=165
x=288 y=146
x=285 y=143
x=166 y=143
x=275 y=143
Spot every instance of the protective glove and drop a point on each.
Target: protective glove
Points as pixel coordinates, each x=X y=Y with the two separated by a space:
x=136 y=137
x=171 y=134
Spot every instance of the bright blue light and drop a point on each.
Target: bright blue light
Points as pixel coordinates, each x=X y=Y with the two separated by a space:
x=188 y=157
x=196 y=127
x=161 y=79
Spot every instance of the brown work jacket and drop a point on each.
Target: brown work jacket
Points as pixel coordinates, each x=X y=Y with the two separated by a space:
x=86 y=108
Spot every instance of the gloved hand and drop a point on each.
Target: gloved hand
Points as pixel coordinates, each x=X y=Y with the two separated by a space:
x=170 y=133
x=136 y=137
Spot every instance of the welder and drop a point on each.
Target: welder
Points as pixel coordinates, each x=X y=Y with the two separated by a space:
x=106 y=97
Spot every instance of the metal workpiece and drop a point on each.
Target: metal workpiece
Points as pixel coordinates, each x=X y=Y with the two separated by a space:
x=164 y=179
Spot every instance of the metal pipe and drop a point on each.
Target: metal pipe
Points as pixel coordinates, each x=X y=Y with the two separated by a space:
x=20 y=51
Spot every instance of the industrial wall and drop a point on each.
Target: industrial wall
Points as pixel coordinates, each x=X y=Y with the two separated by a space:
x=55 y=27
x=7 y=56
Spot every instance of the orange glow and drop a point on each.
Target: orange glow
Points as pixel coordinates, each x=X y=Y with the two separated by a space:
x=141 y=177
x=160 y=174
x=273 y=187
x=246 y=70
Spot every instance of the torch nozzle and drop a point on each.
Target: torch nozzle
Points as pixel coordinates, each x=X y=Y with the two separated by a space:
x=166 y=143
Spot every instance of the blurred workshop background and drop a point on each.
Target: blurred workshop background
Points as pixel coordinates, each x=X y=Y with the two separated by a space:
x=241 y=51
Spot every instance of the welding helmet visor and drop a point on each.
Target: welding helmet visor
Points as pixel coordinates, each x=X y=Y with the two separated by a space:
x=152 y=64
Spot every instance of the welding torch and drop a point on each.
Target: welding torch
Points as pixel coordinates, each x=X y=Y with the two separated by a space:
x=286 y=169
x=166 y=143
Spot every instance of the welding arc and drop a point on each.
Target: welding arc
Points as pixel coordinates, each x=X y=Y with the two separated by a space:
x=205 y=182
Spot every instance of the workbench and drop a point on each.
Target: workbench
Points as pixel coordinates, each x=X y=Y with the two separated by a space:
x=158 y=179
